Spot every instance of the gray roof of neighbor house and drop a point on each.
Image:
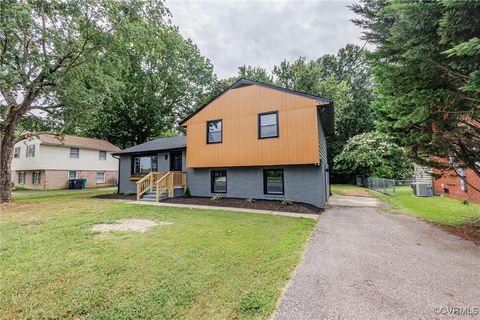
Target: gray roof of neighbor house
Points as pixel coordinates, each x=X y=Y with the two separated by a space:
x=172 y=143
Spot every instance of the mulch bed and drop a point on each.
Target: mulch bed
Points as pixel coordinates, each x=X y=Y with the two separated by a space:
x=117 y=196
x=272 y=205
x=467 y=231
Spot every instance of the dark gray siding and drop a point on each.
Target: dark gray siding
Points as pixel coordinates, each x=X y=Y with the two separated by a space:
x=301 y=183
x=322 y=142
x=125 y=185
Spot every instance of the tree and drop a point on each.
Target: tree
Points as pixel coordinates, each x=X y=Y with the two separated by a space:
x=41 y=43
x=255 y=73
x=375 y=155
x=147 y=78
x=427 y=71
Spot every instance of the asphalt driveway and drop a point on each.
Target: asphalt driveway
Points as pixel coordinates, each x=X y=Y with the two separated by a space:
x=364 y=263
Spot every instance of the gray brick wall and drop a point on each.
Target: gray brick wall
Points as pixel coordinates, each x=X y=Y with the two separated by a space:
x=301 y=183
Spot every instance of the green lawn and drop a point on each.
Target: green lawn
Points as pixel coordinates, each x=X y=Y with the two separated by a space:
x=436 y=209
x=206 y=265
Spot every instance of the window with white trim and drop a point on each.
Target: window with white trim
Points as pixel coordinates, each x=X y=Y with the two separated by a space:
x=74 y=153
x=22 y=177
x=30 y=151
x=16 y=152
x=463 y=179
x=100 y=177
x=102 y=155
x=36 y=177
x=72 y=174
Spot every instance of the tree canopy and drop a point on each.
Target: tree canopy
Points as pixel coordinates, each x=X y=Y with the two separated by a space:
x=427 y=73
x=375 y=155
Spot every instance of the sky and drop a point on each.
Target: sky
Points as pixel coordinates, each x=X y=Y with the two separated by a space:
x=232 y=33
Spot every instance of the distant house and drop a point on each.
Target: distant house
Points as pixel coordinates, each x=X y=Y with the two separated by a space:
x=47 y=161
x=458 y=186
x=254 y=140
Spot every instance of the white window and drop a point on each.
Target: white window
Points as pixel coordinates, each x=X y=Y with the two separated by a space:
x=463 y=179
x=74 y=152
x=16 y=152
x=36 y=177
x=100 y=177
x=102 y=155
x=72 y=174
x=21 y=177
x=31 y=151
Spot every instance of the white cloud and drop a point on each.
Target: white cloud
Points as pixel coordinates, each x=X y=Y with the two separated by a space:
x=263 y=33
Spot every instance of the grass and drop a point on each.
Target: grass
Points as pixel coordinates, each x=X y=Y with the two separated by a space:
x=435 y=209
x=207 y=265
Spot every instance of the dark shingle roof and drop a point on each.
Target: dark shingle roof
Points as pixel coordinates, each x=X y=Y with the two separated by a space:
x=245 y=82
x=161 y=144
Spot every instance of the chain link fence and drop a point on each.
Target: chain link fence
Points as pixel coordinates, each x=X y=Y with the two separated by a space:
x=386 y=186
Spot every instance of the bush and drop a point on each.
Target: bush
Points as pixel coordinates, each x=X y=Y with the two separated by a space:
x=250 y=200
x=216 y=197
x=186 y=193
x=286 y=202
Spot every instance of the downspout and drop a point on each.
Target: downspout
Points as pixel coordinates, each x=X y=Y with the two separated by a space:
x=118 y=174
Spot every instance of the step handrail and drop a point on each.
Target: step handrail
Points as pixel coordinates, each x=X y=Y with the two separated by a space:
x=145 y=184
x=168 y=181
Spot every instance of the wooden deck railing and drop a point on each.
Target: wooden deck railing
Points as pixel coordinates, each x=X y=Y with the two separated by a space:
x=168 y=181
x=147 y=183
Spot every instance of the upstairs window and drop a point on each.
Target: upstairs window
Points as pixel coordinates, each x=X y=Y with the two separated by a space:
x=144 y=165
x=36 y=177
x=268 y=125
x=214 y=131
x=102 y=155
x=31 y=151
x=74 y=153
x=273 y=181
x=16 y=152
x=219 y=181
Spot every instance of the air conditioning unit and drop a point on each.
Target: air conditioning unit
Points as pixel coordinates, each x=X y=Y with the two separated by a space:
x=423 y=190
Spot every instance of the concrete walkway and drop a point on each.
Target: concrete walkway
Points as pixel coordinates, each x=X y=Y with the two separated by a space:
x=363 y=263
x=192 y=206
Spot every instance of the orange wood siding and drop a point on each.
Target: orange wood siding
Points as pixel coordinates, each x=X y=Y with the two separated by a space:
x=239 y=108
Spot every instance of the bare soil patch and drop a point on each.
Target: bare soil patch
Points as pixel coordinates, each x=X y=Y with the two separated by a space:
x=271 y=205
x=470 y=231
x=356 y=192
x=136 y=225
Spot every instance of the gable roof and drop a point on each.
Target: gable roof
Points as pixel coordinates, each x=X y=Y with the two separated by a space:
x=162 y=144
x=245 y=82
x=76 y=141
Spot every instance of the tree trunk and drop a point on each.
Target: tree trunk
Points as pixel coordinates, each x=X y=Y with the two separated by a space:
x=7 y=139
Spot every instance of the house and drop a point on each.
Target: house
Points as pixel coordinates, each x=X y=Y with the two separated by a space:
x=47 y=161
x=457 y=186
x=254 y=140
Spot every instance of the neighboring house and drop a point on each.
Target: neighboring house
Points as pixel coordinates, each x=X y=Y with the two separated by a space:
x=454 y=185
x=252 y=141
x=46 y=161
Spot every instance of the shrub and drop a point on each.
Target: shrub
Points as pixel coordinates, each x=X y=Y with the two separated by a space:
x=286 y=202
x=216 y=197
x=250 y=200
x=186 y=193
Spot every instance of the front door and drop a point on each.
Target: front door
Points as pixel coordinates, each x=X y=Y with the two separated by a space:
x=175 y=161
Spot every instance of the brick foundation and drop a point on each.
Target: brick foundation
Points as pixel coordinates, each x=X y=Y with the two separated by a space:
x=58 y=179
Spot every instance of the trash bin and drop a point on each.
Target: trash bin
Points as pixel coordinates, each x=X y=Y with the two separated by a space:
x=83 y=183
x=71 y=183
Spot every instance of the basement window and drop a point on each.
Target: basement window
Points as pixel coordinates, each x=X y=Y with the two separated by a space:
x=273 y=181
x=219 y=181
